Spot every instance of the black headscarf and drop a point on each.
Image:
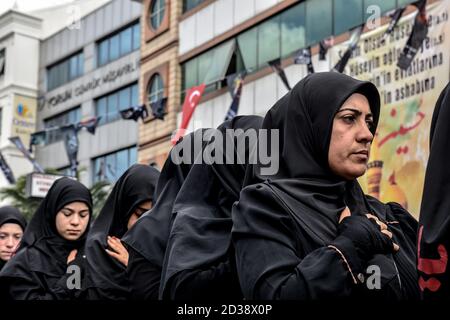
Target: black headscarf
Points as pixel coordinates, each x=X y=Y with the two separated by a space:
x=9 y=214
x=434 y=222
x=105 y=273
x=312 y=194
x=201 y=232
x=42 y=250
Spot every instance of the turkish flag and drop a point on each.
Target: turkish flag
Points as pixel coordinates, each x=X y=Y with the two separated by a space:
x=193 y=96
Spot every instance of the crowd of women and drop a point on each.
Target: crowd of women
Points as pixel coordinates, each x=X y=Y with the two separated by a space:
x=225 y=231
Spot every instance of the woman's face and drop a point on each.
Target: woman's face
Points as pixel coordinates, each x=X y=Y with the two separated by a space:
x=72 y=220
x=139 y=211
x=351 y=138
x=10 y=236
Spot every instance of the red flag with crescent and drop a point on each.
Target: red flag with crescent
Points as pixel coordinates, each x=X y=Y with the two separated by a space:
x=193 y=96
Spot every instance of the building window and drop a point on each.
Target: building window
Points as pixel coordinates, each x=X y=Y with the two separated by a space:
x=191 y=4
x=155 y=90
x=157 y=10
x=119 y=44
x=65 y=71
x=108 y=107
x=111 y=166
x=278 y=37
x=72 y=116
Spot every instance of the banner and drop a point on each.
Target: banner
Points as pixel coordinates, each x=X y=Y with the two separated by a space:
x=234 y=84
x=158 y=108
x=71 y=144
x=134 y=113
x=6 y=170
x=276 y=66
x=19 y=145
x=400 y=150
x=304 y=57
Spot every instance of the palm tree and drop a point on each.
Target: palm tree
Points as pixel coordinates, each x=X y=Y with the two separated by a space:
x=16 y=196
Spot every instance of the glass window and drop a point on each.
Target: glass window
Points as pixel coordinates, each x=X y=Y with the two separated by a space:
x=247 y=43
x=190 y=4
x=318 y=20
x=134 y=95
x=293 y=29
x=101 y=108
x=402 y=3
x=114 y=47
x=73 y=72
x=67 y=117
x=221 y=60
x=124 y=98
x=80 y=64
x=125 y=41
x=268 y=41
x=103 y=50
x=132 y=156
x=347 y=15
x=111 y=166
x=155 y=89
x=204 y=64
x=190 y=77
x=113 y=106
x=157 y=10
x=136 y=36
x=122 y=163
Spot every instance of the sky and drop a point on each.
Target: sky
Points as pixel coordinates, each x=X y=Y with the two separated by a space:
x=30 y=5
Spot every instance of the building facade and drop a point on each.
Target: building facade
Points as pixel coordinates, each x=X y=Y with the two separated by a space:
x=160 y=77
x=19 y=63
x=92 y=69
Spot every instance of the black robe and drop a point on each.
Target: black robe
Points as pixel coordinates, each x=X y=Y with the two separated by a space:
x=9 y=214
x=434 y=231
x=147 y=239
x=38 y=271
x=199 y=262
x=106 y=277
x=283 y=223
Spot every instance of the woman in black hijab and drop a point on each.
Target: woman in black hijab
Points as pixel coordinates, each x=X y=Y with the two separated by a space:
x=434 y=231
x=12 y=225
x=52 y=243
x=303 y=232
x=107 y=258
x=147 y=239
x=199 y=262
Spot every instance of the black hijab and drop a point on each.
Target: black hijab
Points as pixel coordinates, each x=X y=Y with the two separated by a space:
x=434 y=222
x=105 y=273
x=312 y=194
x=149 y=234
x=304 y=118
x=9 y=214
x=201 y=232
x=42 y=250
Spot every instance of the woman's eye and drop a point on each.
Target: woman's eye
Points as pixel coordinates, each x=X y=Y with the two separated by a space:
x=349 y=119
x=369 y=124
x=84 y=214
x=67 y=213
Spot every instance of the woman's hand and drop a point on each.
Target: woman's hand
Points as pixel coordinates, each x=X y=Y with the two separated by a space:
x=118 y=252
x=72 y=256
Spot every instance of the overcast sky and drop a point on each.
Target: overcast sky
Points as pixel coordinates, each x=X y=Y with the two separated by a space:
x=30 y=5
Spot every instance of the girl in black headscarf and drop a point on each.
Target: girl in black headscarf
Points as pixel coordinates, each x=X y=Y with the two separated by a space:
x=107 y=258
x=303 y=232
x=53 y=242
x=434 y=231
x=12 y=225
x=147 y=239
x=199 y=262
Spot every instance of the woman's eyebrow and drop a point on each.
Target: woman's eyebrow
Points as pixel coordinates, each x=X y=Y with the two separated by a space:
x=358 y=112
x=67 y=208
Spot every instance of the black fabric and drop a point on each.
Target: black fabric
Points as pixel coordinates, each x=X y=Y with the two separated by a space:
x=38 y=270
x=9 y=214
x=283 y=223
x=434 y=219
x=147 y=239
x=198 y=264
x=106 y=276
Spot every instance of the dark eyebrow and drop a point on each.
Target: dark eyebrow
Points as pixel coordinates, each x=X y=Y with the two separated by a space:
x=67 y=208
x=355 y=111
